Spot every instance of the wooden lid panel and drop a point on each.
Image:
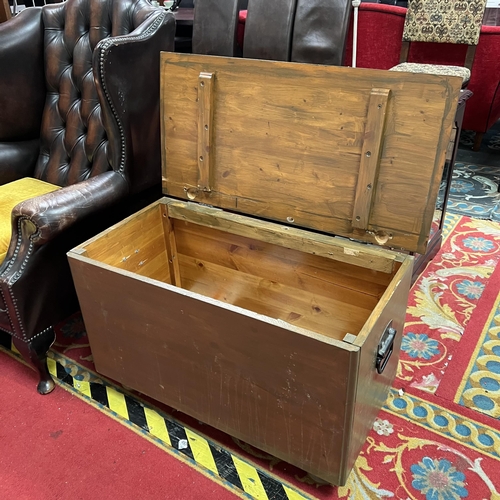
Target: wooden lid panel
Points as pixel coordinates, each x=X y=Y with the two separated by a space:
x=301 y=143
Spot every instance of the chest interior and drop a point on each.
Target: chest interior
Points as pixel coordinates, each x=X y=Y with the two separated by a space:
x=315 y=282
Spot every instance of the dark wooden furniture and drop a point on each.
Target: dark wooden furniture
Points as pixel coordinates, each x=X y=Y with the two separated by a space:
x=209 y=28
x=240 y=299
x=184 y=16
x=312 y=31
x=215 y=27
x=492 y=16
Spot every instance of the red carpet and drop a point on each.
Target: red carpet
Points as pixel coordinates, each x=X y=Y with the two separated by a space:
x=422 y=446
x=58 y=447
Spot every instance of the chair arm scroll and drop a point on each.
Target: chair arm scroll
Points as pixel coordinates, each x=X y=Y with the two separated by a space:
x=44 y=217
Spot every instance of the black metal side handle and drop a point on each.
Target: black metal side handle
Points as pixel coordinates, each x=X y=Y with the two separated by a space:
x=385 y=347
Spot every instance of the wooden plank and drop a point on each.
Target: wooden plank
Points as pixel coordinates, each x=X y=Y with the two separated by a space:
x=405 y=48
x=289 y=146
x=5 y=13
x=205 y=126
x=133 y=244
x=171 y=247
x=370 y=157
x=285 y=391
x=332 y=317
x=373 y=388
x=289 y=237
x=306 y=271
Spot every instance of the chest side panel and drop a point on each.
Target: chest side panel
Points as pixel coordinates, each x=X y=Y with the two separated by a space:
x=357 y=153
x=373 y=387
x=286 y=393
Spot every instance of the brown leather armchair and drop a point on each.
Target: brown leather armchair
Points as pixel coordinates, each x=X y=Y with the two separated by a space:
x=79 y=108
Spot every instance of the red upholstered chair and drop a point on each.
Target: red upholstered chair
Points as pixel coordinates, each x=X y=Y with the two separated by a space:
x=452 y=22
x=380 y=33
x=79 y=135
x=483 y=108
x=380 y=30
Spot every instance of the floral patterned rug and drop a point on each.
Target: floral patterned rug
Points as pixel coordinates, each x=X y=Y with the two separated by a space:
x=473 y=376
x=474 y=191
x=422 y=445
x=443 y=299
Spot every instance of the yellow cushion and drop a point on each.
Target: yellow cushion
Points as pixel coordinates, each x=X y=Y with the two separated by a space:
x=10 y=195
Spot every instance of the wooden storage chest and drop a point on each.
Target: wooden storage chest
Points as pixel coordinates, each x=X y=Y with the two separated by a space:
x=241 y=299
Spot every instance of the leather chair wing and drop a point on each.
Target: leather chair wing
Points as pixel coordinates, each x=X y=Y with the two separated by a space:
x=17 y=159
x=21 y=60
x=130 y=104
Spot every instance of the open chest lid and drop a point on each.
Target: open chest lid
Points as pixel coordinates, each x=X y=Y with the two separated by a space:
x=352 y=152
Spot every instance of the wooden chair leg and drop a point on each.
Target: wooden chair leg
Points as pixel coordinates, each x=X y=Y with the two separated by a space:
x=5 y=14
x=477 y=141
x=35 y=351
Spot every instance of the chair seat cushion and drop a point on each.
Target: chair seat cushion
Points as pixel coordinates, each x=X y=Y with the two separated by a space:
x=10 y=195
x=434 y=69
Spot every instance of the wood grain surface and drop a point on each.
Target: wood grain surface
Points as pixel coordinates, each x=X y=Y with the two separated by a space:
x=373 y=388
x=287 y=143
x=260 y=381
x=5 y=13
x=339 y=249
x=251 y=338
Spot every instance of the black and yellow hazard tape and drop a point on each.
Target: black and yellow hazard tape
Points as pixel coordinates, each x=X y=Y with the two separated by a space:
x=234 y=472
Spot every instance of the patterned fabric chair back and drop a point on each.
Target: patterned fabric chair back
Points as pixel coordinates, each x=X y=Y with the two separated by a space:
x=444 y=21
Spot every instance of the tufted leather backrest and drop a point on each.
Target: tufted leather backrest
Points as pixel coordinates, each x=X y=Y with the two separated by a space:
x=74 y=143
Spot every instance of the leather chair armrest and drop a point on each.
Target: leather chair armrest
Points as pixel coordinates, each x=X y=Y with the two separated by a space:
x=44 y=229
x=22 y=79
x=39 y=220
x=127 y=70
